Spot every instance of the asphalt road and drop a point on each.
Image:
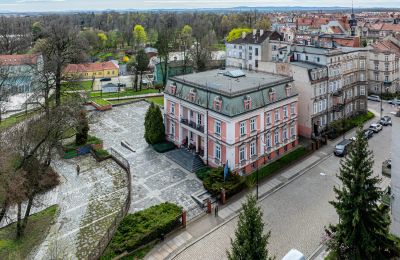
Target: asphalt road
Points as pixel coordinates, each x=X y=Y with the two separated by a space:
x=297 y=213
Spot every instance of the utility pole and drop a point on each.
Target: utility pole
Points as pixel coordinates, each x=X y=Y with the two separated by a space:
x=381 y=99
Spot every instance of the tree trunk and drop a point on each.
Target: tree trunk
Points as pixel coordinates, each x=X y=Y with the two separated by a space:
x=58 y=86
x=140 y=84
x=27 y=212
x=3 y=210
x=135 y=83
x=19 y=226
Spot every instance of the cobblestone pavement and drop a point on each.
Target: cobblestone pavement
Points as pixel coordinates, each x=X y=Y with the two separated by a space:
x=296 y=213
x=155 y=178
x=87 y=202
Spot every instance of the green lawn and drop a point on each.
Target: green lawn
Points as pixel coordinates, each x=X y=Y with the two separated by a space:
x=36 y=231
x=156 y=100
x=128 y=92
x=101 y=102
x=79 y=85
x=12 y=120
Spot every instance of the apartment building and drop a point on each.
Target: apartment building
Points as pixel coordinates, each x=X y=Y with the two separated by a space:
x=243 y=118
x=383 y=67
x=252 y=48
x=347 y=77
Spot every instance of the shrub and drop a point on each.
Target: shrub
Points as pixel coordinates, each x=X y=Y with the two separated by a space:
x=142 y=227
x=203 y=172
x=101 y=153
x=339 y=127
x=164 y=147
x=213 y=181
x=82 y=129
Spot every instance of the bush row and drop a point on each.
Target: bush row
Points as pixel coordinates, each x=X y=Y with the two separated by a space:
x=142 y=227
x=339 y=127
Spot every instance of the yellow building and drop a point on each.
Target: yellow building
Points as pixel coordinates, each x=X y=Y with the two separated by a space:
x=92 y=70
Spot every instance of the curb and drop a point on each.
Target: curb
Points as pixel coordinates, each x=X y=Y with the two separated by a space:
x=262 y=197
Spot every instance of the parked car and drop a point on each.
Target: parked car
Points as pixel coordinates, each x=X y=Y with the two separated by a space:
x=105 y=79
x=368 y=133
x=374 y=98
x=342 y=148
x=385 y=121
x=376 y=127
x=395 y=102
x=294 y=254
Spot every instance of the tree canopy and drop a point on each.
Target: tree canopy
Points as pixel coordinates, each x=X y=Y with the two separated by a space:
x=154 y=130
x=236 y=33
x=139 y=34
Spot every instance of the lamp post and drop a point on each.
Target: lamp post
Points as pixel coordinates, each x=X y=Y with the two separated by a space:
x=381 y=100
x=344 y=113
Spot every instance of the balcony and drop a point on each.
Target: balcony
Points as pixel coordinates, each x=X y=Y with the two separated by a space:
x=337 y=107
x=193 y=125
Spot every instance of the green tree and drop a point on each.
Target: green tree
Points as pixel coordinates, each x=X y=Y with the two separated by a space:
x=142 y=63
x=250 y=241
x=82 y=129
x=186 y=42
x=140 y=35
x=236 y=33
x=264 y=24
x=154 y=130
x=363 y=229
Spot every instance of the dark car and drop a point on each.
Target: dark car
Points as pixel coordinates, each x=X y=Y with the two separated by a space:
x=385 y=121
x=368 y=133
x=105 y=79
x=342 y=148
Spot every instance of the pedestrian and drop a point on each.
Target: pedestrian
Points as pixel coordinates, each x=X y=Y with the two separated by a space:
x=216 y=210
x=78 y=169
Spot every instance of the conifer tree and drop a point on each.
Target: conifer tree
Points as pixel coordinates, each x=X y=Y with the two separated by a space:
x=154 y=130
x=250 y=241
x=363 y=228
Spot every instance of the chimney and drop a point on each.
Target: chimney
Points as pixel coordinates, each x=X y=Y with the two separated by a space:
x=243 y=35
x=254 y=32
x=261 y=32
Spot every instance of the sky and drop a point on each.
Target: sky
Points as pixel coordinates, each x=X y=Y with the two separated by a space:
x=67 y=5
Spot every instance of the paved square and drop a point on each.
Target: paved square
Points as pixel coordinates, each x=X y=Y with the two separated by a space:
x=154 y=177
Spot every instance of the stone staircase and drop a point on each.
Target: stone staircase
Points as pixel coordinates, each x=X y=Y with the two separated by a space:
x=187 y=159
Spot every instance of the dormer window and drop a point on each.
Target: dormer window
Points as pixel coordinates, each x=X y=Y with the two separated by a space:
x=288 y=90
x=173 y=89
x=218 y=103
x=272 y=95
x=192 y=95
x=247 y=102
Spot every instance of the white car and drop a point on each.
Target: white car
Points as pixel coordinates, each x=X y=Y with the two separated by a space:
x=375 y=127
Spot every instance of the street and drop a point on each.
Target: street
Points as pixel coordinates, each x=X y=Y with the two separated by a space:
x=297 y=213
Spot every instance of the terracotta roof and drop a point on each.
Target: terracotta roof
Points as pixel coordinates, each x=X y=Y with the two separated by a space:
x=20 y=59
x=385 y=46
x=88 y=67
x=336 y=29
x=391 y=27
x=312 y=22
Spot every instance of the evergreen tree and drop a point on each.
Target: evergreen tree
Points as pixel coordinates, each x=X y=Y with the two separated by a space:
x=142 y=63
x=82 y=129
x=363 y=229
x=154 y=130
x=250 y=241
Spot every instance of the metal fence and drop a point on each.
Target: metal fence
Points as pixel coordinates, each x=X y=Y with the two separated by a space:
x=105 y=240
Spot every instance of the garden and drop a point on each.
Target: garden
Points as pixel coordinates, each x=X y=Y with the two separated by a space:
x=341 y=126
x=143 y=229
x=213 y=178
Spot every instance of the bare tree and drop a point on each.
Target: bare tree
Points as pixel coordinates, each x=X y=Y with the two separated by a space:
x=60 y=46
x=15 y=34
x=4 y=88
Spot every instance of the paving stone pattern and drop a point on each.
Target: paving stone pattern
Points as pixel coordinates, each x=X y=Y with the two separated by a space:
x=155 y=178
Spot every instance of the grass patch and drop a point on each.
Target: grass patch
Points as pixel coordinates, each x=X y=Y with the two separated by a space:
x=36 y=231
x=164 y=147
x=156 y=100
x=122 y=101
x=77 y=86
x=127 y=92
x=14 y=119
x=339 y=127
x=101 y=153
x=279 y=164
x=91 y=140
x=101 y=102
x=331 y=256
x=143 y=227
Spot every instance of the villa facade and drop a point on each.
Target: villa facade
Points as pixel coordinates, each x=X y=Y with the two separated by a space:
x=244 y=119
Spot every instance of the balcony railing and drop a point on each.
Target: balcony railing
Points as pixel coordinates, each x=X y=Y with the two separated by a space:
x=193 y=125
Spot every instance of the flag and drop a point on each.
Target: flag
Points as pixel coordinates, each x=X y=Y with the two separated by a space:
x=226 y=170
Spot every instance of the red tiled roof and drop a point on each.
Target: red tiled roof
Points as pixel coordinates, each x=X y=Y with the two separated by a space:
x=385 y=46
x=20 y=59
x=87 y=67
x=336 y=29
x=391 y=27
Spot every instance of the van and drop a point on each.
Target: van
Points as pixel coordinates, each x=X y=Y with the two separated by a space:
x=342 y=148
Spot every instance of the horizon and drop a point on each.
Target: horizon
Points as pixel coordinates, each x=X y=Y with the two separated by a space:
x=24 y=6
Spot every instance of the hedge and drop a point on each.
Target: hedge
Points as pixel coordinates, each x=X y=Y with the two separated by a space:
x=101 y=154
x=339 y=127
x=91 y=140
x=164 y=147
x=142 y=227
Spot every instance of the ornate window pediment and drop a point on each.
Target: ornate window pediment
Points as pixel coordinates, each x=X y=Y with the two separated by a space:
x=192 y=95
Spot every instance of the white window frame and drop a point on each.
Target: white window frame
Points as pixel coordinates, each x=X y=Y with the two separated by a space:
x=268 y=140
x=218 y=152
x=276 y=137
x=242 y=128
x=199 y=121
x=285 y=112
x=253 y=149
x=269 y=118
x=362 y=90
x=242 y=154
x=276 y=115
x=292 y=131
x=292 y=109
x=217 y=129
x=252 y=124
x=172 y=108
x=172 y=129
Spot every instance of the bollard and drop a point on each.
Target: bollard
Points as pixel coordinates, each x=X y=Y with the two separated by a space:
x=184 y=219
x=208 y=206
x=223 y=196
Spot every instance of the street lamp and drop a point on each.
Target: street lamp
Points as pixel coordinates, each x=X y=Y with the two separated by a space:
x=344 y=113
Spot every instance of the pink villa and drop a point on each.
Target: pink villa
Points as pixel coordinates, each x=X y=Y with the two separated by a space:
x=243 y=118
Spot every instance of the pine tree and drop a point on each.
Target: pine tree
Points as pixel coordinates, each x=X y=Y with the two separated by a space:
x=154 y=130
x=250 y=241
x=363 y=229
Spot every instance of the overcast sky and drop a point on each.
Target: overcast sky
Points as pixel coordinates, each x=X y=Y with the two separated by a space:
x=65 y=5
